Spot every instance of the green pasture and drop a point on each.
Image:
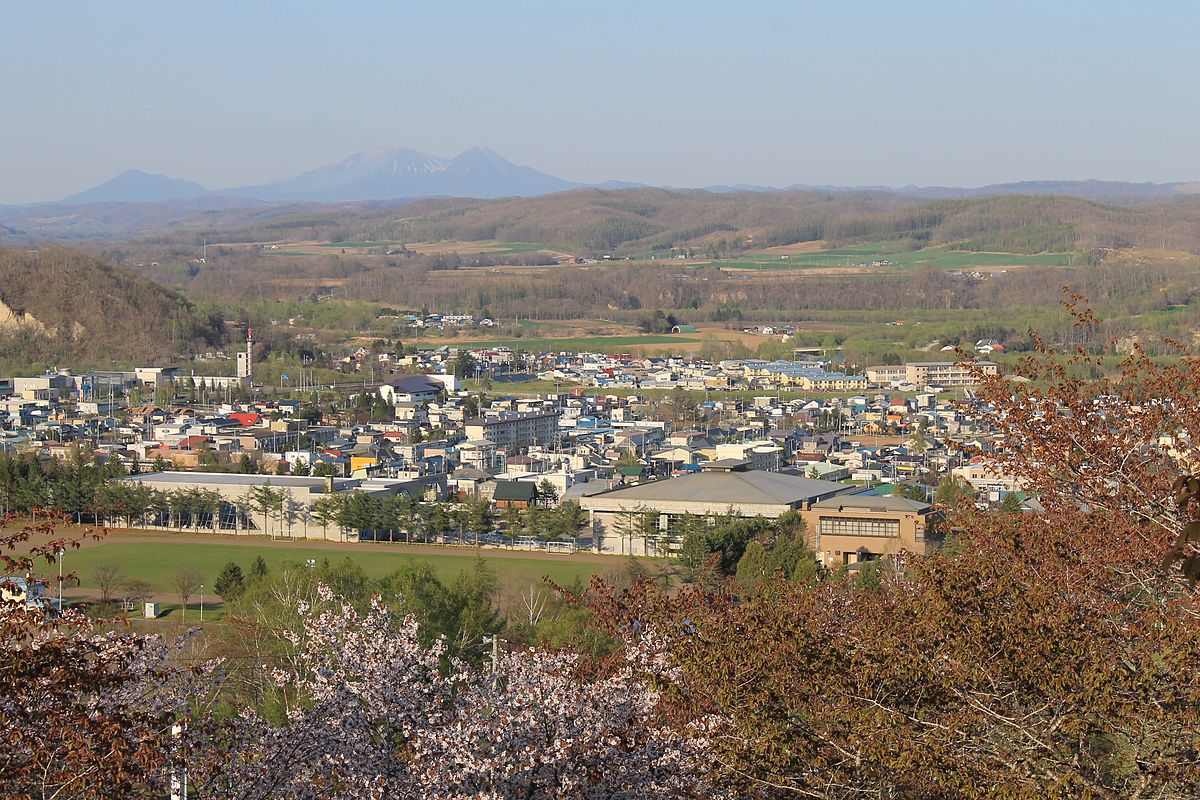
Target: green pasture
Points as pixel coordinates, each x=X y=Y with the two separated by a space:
x=505 y=248
x=535 y=324
x=936 y=257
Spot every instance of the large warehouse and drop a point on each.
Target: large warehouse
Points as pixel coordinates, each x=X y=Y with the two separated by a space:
x=843 y=525
x=714 y=492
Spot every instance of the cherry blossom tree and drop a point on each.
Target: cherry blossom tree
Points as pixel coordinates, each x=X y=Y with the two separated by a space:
x=85 y=711
x=380 y=717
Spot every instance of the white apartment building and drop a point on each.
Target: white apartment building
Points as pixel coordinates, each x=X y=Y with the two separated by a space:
x=514 y=430
x=931 y=373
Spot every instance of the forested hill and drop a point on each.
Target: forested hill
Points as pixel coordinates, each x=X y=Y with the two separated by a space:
x=59 y=305
x=631 y=221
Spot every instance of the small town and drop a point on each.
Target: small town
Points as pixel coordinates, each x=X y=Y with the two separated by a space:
x=863 y=464
x=609 y=401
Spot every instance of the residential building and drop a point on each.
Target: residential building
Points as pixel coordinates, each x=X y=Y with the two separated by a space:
x=804 y=375
x=515 y=494
x=417 y=389
x=515 y=430
x=762 y=454
x=947 y=373
x=887 y=374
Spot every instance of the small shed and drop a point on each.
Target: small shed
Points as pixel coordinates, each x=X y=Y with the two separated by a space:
x=683 y=329
x=515 y=494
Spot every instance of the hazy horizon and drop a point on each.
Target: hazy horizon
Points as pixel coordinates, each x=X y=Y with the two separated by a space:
x=679 y=94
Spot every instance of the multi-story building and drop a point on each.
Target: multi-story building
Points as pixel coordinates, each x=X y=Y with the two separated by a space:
x=805 y=375
x=948 y=373
x=987 y=477
x=887 y=374
x=762 y=454
x=514 y=430
x=850 y=528
x=931 y=373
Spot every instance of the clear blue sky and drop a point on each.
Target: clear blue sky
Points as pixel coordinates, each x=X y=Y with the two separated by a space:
x=680 y=93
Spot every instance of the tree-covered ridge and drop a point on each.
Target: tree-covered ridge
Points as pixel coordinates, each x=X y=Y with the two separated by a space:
x=644 y=220
x=62 y=305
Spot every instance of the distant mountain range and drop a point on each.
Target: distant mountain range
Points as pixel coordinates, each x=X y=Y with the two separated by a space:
x=394 y=174
x=135 y=186
x=136 y=202
x=377 y=175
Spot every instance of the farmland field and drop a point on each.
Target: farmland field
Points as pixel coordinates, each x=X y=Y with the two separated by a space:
x=595 y=343
x=323 y=248
x=534 y=324
x=472 y=248
x=357 y=244
x=936 y=257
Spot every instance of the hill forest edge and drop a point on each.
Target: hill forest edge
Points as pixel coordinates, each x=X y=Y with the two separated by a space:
x=841 y=266
x=1034 y=656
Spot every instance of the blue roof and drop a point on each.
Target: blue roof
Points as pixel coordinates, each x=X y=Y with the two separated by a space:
x=794 y=369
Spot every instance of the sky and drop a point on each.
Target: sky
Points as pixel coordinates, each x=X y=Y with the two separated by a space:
x=689 y=93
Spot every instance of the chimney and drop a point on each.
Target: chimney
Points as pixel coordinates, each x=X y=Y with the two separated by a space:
x=329 y=484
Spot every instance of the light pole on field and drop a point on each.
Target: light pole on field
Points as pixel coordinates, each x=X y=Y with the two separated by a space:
x=61 y=554
x=202 y=602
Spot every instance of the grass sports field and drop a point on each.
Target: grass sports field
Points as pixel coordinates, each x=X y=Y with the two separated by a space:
x=154 y=558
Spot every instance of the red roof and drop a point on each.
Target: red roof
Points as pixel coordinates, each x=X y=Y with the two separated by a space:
x=246 y=419
x=192 y=442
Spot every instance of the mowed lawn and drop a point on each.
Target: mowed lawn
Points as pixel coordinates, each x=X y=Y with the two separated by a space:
x=156 y=561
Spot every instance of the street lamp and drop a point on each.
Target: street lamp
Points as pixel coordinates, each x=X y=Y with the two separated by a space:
x=202 y=602
x=61 y=554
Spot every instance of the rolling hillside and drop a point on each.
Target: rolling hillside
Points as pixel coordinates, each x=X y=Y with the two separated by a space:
x=641 y=221
x=59 y=305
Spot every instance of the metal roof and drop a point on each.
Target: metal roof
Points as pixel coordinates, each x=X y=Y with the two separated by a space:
x=515 y=490
x=874 y=503
x=751 y=487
